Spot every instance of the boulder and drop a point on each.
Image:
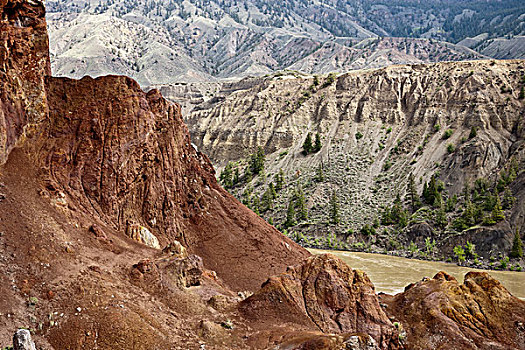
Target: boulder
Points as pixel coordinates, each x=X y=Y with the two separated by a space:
x=143 y=235
x=180 y=272
x=175 y=248
x=22 y=340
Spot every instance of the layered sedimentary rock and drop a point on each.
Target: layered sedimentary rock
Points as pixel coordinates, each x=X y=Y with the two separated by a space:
x=376 y=127
x=322 y=294
x=442 y=313
x=85 y=162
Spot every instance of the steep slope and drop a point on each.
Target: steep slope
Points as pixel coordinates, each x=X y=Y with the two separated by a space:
x=376 y=127
x=24 y=62
x=173 y=41
x=103 y=175
x=126 y=157
x=108 y=176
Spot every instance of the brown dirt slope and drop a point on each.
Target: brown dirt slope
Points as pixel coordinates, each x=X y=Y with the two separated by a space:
x=125 y=156
x=80 y=163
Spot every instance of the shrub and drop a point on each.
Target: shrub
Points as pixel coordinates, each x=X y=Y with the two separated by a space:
x=451 y=148
x=447 y=134
x=473 y=132
x=358 y=135
x=368 y=230
x=459 y=252
x=504 y=263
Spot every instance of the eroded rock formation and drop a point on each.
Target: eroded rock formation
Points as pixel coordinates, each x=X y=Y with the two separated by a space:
x=442 y=313
x=322 y=294
x=82 y=159
x=24 y=63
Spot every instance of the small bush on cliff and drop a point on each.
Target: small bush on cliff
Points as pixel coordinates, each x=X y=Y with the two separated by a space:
x=335 y=217
x=451 y=148
x=448 y=133
x=459 y=252
x=517 y=246
x=358 y=136
x=329 y=80
x=473 y=132
x=368 y=230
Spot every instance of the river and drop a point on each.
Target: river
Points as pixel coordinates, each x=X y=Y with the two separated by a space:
x=390 y=274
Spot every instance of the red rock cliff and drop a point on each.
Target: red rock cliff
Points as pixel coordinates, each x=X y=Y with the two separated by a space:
x=125 y=157
x=24 y=64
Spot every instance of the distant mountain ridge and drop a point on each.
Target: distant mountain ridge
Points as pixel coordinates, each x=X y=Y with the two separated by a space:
x=159 y=42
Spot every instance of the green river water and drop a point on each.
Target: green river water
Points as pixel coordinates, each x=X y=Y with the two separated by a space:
x=390 y=274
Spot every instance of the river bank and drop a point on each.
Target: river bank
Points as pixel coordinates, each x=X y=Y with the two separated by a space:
x=391 y=274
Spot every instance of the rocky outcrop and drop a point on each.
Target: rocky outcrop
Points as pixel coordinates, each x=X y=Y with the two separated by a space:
x=442 y=313
x=125 y=156
x=180 y=272
x=322 y=294
x=142 y=235
x=24 y=63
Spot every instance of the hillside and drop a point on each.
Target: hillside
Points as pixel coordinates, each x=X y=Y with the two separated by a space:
x=461 y=123
x=199 y=41
x=114 y=234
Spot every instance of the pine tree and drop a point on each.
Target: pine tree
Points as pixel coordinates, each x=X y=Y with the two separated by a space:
x=319 y=176
x=290 y=215
x=517 y=246
x=256 y=205
x=335 y=217
x=412 y=194
x=440 y=218
x=398 y=214
x=236 y=176
x=271 y=189
x=248 y=175
x=279 y=180
x=302 y=211
x=430 y=191
x=508 y=199
x=257 y=161
x=226 y=176
x=317 y=146
x=307 y=145
x=497 y=213
x=267 y=200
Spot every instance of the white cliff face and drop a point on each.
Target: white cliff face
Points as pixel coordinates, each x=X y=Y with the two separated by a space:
x=376 y=127
x=196 y=41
